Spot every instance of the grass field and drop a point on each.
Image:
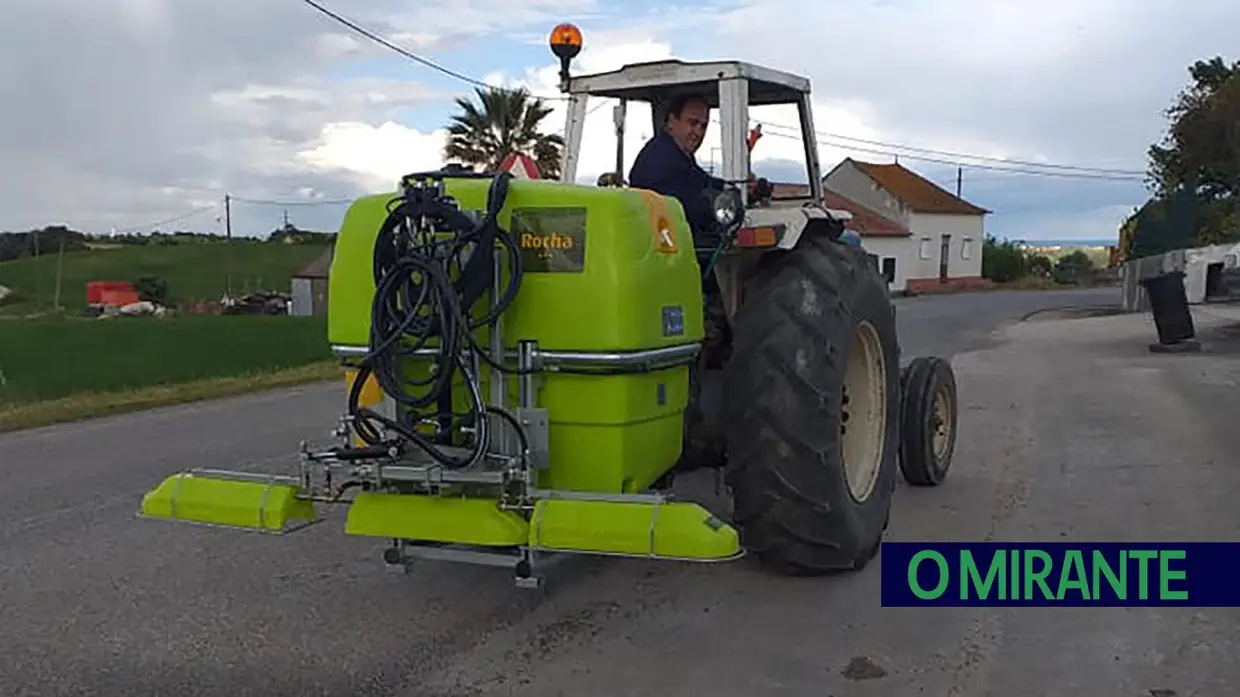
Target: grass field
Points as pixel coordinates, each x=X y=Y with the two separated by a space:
x=56 y=358
x=193 y=271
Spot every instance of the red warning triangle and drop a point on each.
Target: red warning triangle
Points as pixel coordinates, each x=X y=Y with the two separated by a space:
x=520 y=166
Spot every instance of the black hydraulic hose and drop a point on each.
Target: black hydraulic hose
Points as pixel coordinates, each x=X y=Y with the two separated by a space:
x=418 y=304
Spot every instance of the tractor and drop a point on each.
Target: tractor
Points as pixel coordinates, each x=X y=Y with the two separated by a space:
x=529 y=364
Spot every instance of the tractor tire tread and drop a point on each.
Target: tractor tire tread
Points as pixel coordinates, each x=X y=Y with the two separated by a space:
x=791 y=339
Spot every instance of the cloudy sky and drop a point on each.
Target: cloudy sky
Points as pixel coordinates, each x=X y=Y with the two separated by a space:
x=125 y=113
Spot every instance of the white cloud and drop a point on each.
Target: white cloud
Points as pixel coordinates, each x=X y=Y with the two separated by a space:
x=389 y=150
x=376 y=156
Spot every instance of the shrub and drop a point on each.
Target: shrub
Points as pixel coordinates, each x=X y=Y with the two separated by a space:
x=152 y=289
x=1003 y=262
x=1073 y=268
x=1040 y=265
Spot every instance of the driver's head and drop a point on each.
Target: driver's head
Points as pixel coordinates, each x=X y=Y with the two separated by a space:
x=687 y=118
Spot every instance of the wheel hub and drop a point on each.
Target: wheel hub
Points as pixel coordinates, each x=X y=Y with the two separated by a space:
x=863 y=415
x=940 y=424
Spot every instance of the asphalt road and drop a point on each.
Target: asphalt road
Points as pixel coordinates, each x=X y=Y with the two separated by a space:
x=944 y=325
x=96 y=602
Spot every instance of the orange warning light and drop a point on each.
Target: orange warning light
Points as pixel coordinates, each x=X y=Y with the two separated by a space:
x=565 y=41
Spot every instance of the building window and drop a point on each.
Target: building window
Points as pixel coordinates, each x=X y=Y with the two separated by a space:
x=966 y=248
x=889 y=269
x=923 y=251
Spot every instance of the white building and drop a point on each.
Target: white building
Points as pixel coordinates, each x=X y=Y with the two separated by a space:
x=309 y=291
x=942 y=244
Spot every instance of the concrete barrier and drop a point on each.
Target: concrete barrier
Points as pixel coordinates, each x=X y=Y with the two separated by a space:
x=1195 y=263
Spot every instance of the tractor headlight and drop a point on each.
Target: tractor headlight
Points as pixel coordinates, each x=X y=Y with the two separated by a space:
x=727 y=207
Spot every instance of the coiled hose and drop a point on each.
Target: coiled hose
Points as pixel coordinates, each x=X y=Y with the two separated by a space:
x=418 y=305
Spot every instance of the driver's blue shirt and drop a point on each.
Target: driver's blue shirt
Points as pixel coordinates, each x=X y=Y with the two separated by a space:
x=663 y=167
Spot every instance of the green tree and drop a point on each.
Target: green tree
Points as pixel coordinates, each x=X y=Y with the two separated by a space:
x=1201 y=150
x=500 y=123
x=1195 y=170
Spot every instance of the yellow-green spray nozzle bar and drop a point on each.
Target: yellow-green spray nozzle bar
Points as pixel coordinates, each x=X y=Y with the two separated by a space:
x=467 y=521
x=662 y=530
x=668 y=530
x=257 y=505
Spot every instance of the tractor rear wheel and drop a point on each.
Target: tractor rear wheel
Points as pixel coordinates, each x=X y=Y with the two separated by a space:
x=812 y=393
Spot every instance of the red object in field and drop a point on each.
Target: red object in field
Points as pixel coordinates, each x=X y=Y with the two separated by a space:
x=109 y=292
x=119 y=298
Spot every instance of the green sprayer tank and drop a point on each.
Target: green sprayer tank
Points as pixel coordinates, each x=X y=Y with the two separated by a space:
x=606 y=271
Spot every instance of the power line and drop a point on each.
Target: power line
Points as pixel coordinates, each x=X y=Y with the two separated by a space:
x=956 y=163
x=406 y=52
x=984 y=158
x=168 y=221
x=388 y=44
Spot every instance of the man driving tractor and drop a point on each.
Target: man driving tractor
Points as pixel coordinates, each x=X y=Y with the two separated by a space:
x=666 y=163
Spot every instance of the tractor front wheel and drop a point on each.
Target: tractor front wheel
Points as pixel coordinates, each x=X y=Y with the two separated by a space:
x=812 y=392
x=928 y=420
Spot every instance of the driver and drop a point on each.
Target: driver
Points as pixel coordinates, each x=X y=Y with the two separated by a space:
x=666 y=163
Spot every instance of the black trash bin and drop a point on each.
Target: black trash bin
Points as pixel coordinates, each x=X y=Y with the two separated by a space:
x=1169 y=304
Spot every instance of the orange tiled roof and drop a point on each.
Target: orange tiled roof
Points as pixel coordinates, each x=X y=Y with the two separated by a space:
x=918 y=193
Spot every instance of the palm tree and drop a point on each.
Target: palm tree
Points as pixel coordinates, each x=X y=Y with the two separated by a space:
x=502 y=122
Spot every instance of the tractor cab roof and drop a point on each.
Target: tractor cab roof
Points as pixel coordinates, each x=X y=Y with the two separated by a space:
x=660 y=81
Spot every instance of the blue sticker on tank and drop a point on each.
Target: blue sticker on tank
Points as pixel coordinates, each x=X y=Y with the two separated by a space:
x=673 y=320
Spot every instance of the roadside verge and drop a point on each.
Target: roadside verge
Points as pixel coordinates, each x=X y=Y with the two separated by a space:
x=96 y=404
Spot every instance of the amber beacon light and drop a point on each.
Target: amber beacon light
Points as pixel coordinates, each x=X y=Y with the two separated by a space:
x=565 y=42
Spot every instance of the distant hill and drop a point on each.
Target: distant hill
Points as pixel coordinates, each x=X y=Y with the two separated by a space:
x=1072 y=243
x=197 y=271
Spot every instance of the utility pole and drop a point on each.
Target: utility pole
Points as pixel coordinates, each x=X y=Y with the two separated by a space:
x=228 y=244
x=959 y=180
x=40 y=281
x=60 y=268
